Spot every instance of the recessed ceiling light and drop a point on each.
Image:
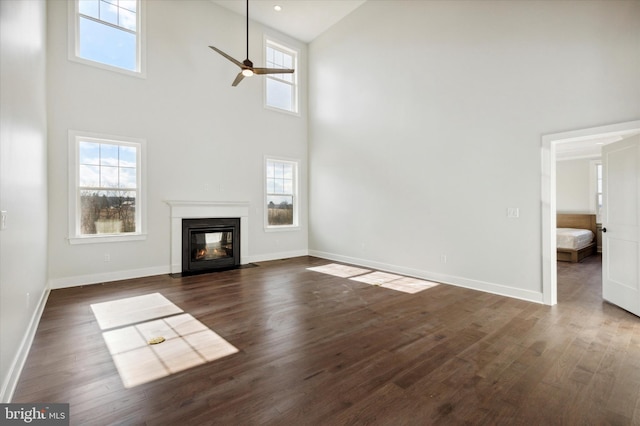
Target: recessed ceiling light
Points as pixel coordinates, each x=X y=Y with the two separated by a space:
x=277 y=8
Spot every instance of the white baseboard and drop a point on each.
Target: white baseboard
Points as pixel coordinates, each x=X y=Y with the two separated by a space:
x=80 y=280
x=488 y=287
x=277 y=256
x=11 y=381
x=516 y=293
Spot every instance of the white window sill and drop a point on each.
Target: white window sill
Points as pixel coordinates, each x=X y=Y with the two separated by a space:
x=295 y=113
x=282 y=228
x=100 y=65
x=106 y=238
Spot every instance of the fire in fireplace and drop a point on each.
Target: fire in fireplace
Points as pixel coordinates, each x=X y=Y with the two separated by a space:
x=210 y=244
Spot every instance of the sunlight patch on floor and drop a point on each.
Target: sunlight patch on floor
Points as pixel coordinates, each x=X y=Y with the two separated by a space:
x=342 y=271
x=409 y=285
x=188 y=342
x=395 y=282
x=377 y=278
x=131 y=310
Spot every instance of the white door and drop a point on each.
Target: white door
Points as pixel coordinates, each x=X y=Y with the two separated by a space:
x=620 y=224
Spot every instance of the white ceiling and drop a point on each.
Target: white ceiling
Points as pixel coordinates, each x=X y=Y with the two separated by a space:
x=588 y=147
x=303 y=20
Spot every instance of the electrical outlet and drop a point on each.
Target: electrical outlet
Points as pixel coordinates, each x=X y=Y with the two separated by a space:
x=3 y=219
x=443 y=258
x=107 y=257
x=513 y=212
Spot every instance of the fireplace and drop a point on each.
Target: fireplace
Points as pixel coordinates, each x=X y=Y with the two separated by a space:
x=181 y=209
x=210 y=244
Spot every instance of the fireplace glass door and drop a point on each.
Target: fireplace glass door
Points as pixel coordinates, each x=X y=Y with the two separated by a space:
x=212 y=245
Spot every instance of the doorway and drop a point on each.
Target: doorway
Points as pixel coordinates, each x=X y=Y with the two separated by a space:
x=548 y=193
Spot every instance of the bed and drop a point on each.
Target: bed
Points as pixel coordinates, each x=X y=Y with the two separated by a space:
x=575 y=236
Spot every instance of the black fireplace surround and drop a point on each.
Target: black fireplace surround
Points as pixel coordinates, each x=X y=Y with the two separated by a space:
x=210 y=244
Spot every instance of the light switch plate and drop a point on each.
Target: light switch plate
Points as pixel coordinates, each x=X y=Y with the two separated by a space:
x=3 y=219
x=513 y=212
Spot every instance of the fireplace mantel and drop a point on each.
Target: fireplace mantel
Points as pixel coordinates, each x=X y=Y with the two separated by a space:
x=205 y=209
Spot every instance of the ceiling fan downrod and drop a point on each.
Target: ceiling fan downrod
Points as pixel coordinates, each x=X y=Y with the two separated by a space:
x=247 y=57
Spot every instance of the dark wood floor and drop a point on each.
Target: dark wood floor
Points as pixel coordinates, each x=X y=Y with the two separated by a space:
x=320 y=350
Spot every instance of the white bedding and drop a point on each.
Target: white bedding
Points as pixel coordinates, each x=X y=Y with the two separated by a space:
x=570 y=238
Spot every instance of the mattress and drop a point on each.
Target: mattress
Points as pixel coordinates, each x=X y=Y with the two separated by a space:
x=575 y=239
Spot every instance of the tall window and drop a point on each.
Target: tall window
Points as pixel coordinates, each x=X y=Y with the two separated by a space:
x=107 y=33
x=281 y=90
x=281 y=177
x=106 y=188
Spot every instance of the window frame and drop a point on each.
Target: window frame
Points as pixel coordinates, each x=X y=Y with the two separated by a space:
x=74 y=41
x=295 y=53
x=295 y=194
x=593 y=188
x=75 y=237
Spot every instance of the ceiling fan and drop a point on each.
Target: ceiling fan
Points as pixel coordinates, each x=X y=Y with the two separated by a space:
x=246 y=67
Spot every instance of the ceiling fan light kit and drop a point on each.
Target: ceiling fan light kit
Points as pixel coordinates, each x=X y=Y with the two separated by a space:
x=246 y=67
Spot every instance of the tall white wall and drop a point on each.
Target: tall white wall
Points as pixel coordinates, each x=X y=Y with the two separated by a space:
x=205 y=139
x=426 y=121
x=574 y=187
x=23 y=181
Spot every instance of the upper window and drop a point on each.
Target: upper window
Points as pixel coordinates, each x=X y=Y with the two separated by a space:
x=106 y=188
x=281 y=90
x=281 y=177
x=108 y=33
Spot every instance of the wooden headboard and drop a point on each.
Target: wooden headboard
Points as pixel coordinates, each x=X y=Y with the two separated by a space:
x=579 y=221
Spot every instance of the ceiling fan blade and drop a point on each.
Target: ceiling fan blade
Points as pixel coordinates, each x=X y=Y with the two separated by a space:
x=235 y=61
x=272 y=71
x=238 y=79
